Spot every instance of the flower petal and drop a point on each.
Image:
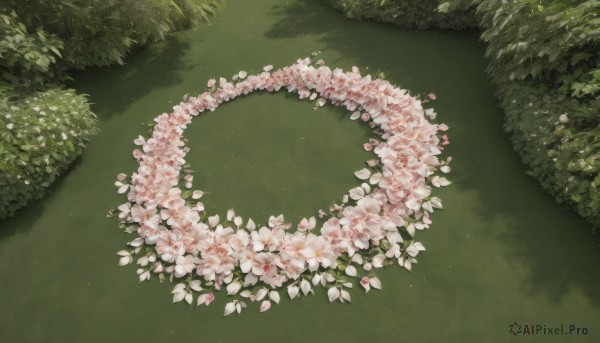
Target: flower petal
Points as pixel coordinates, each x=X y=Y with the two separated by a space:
x=265 y=305
x=333 y=293
x=363 y=174
x=274 y=295
x=229 y=308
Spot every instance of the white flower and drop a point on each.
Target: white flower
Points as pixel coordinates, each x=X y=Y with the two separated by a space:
x=563 y=118
x=10 y=126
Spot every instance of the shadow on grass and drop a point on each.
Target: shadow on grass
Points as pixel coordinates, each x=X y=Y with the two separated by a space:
x=556 y=246
x=25 y=218
x=148 y=69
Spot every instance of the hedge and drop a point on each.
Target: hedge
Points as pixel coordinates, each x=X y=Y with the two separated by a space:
x=41 y=136
x=545 y=61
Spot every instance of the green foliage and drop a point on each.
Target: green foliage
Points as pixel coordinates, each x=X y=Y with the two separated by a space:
x=554 y=44
x=42 y=133
x=40 y=136
x=27 y=60
x=102 y=32
x=545 y=60
x=414 y=14
x=563 y=156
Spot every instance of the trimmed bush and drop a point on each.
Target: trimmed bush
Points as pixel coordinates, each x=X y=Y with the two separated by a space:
x=41 y=136
x=545 y=61
x=412 y=14
x=43 y=128
x=559 y=140
x=102 y=32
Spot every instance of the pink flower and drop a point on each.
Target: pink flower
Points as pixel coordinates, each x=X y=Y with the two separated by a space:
x=319 y=252
x=321 y=213
x=394 y=194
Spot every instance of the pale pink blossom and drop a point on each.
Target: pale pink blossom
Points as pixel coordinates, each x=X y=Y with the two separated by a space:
x=395 y=193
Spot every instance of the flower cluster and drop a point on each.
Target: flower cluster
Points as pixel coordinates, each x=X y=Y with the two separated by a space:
x=372 y=226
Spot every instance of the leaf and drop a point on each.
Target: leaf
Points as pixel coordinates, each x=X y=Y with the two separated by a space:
x=293 y=291
x=316 y=279
x=305 y=287
x=123 y=253
x=260 y=295
x=197 y=195
x=251 y=226
x=351 y=271
x=213 y=221
x=345 y=295
x=439 y=181
x=357 y=193
x=265 y=305
x=436 y=202
x=375 y=283
x=363 y=174
x=122 y=189
x=180 y=287
x=189 y=298
x=274 y=295
x=229 y=309
x=125 y=260
x=333 y=293
x=233 y=288
x=201 y=299
x=137 y=242
x=375 y=178
x=177 y=297
x=195 y=285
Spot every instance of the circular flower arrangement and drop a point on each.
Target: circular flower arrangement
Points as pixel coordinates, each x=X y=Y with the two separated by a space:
x=372 y=226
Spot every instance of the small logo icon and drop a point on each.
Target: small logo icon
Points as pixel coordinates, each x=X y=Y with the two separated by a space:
x=514 y=328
